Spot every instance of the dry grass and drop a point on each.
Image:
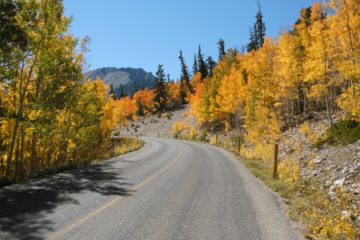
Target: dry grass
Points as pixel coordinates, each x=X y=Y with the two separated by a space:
x=121 y=146
x=127 y=145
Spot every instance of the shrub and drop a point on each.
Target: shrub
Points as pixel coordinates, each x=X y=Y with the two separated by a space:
x=344 y=132
x=312 y=137
x=203 y=136
x=192 y=134
x=179 y=128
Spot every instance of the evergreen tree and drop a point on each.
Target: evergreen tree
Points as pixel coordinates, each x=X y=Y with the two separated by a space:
x=202 y=65
x=195 y=66
x=257 y=33
x=140 y=108
x=221 y=47
x=252 y=43
x=211 y=65
x=259 y=29
x=160 y=90
x=185 y=85
x=122 y=91
x=182 y=91
x=111 y=92
x=135 y=88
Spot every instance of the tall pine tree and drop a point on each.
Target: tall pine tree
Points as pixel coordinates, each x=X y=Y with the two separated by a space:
x=195 y=65
x=211 y=65
x=252 y=42
x=202 y=65
x=111 y=92
x=257 y=33
x=221 y=47
x=160 y=90
x=185 y=86
x=122 y=91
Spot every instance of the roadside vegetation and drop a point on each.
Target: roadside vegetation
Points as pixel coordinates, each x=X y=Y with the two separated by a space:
x=343 y=132
x=50 y=117
x=324 y=216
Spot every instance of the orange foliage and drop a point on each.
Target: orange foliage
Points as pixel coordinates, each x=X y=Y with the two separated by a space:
x=145 y=97
x=173 y=94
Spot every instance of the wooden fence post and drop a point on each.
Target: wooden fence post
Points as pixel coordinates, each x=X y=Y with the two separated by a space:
x=239 y=145
x=276 y=159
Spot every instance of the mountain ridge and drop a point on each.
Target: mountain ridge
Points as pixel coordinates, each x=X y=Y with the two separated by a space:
x=128 y=78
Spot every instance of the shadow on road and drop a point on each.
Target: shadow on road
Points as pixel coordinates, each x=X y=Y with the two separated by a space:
x=24 y=208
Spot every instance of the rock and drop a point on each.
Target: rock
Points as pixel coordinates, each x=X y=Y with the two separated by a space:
x=319 y=159
x=354 y=206
x=356 y=188
x=345 y=169
x=332 y=195
x=358 y=218
x=340 y=182
x=290 y=150
x=316 y=173
x=345 y=214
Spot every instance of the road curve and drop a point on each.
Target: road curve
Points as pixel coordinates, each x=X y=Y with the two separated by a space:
x=167 y=190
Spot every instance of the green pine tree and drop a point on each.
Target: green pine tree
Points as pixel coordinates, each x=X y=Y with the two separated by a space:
x=221 y=47
x=140 y=109
x=202 y=65
x=259 y=29
x=257 y=33
x=111 y=92
x=160 y=90
x=122 y=91
x=252 y=42
x=195 y=65
x=211 y=65
x=185 y=85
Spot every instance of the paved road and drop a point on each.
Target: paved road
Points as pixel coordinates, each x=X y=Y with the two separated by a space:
x=167 y=190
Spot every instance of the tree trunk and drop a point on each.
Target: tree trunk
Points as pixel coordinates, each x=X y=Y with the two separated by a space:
x=22 y=94
x=33 y=160
x=328 y=111
x=305 y=102
x=22 y=150
x=276 y=158
x=11 y=150
x=350 y=42
x=2 y=166
x=16 y=170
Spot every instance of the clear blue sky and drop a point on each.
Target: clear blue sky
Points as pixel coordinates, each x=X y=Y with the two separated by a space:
x=145 y=33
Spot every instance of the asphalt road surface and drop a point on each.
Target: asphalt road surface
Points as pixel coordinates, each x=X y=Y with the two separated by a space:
x=167 y=190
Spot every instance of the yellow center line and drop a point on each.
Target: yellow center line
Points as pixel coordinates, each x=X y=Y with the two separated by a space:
x=89 y=216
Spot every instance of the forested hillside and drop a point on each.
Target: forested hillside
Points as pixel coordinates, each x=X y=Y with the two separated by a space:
x=50 y=118
x=314 y=67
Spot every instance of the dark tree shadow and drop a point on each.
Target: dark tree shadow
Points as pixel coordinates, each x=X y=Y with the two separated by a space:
x=24 y=208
